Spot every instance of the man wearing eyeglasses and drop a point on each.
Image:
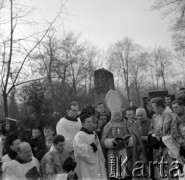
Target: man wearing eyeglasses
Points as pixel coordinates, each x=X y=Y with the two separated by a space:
x=69 y=125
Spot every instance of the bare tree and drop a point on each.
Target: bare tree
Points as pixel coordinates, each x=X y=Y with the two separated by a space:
x=177 y=8
x=120 y=56
x=44 y=60
x=172 y=6
x=16 y=51
x=138 y=69
x=69 y=65
x=179 y=44
x=159 y=60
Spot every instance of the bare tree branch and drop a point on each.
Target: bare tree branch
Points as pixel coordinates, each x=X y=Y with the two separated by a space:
x=46 y=32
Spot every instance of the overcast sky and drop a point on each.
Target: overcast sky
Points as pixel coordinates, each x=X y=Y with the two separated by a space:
x=103 y=22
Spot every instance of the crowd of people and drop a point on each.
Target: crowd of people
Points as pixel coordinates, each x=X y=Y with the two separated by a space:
x=126 y=143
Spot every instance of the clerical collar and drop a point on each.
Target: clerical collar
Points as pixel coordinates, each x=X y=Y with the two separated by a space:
x=86 y=131
x=12 y=154
x=71 y=119
x=18 y=159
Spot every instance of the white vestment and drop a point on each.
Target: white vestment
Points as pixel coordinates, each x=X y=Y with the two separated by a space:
x=90 y=164
x=5 y=160
x=17 y=171
x=68 y=129
x=168 y=109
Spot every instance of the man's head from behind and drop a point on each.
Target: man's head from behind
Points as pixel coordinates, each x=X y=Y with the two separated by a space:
x=73 y=110
x=59 y=142
x=141 y=114
x=24 y=151
x=182 y=92
x=13 y=141
x=178 y=107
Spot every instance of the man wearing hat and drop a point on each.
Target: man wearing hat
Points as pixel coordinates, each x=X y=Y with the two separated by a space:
x=13 y=141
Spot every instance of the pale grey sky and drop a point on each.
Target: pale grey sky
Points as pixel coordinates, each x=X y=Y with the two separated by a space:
x=103 y=22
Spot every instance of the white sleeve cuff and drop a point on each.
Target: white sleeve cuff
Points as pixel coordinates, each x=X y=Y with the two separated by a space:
x=62 y=176
x=130 y=142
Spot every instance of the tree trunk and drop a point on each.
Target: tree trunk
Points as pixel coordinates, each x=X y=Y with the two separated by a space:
x=137 y=92
x=5 y=94
x=74 y=89
x=5 y=99
x=90 y=85
x=128 y=92
x=85 y=84
x=152 y=76
x=164 y=82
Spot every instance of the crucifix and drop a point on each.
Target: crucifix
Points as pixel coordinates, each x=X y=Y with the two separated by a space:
x=118 y=130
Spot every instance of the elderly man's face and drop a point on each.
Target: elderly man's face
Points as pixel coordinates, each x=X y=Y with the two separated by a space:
x=141 y=116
